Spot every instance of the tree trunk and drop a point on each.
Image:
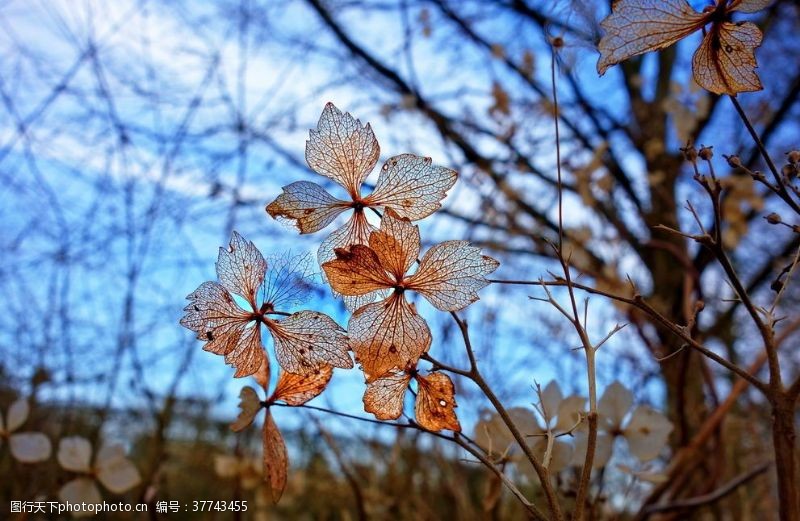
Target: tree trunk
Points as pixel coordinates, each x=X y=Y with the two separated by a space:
x=784 y=438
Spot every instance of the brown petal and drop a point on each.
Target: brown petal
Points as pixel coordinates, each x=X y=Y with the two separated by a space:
x=241 y=268
x=412 y=186
x=276 y=461
x=356 y=271
x=450 y=275
x=225 y=327
x=396 y=244
x=249 y=405
x=725 y=62
x=307 y=341
x=297 y=389
x=388 y=334
x=384 y=396
x=436 y=403
x=308 y=205
x=638 y=26
x=342 y=149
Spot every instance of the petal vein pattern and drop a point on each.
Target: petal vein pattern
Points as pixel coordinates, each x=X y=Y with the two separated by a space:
x=241 y=268
x=308 y=204
x=384 y=397
x=725 y=62
x=297 y=389
x=451 y=274
x=411 y=186
x=638 y=26
x=342 y=149
x=388 y=334
x=436 y=403
x=307 y=341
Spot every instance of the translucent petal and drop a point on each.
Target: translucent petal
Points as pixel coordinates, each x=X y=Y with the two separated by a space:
x=748 y=6
x=551 y=399
x=355 y=231
x=569 y=412
x=342 y=149
x=451 y=274
x=614 y=404
x=227 y=329
x=638 y=26
x=411 y=186
x=436 y=403
x=30 y=447
x=80 y=490
x=297 y=389
x=17 y=414
x=276 y=461
x=308 y=205
x=494 y=436
x=388 y=334
x=396 y=244
x=307 y=341
x=647 y=433
x=75 y=454
x=357 y=271
x=249 y=405
x=241 y=268
x=725 y=62
x=117 y=473
x=602 y=451
x=384 y=397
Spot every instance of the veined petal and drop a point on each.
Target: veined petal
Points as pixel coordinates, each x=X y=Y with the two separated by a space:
x=275 y=459
x=748 y=6
x=342 y=149
x=725 y=62
x=227 y=329
x=386 y=335
x=411 y=186
x=396 y=244
x=384 y=397
x=307 y=341
x=638 y=26
x=450 y=275
x=241 y=268
x=357 y=271
x=308 y=205
x=297 y=389
x=249 y=405
x=436 y=403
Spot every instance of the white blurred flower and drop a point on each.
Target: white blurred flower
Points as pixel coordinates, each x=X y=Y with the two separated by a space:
x=247 y=470
x=26 y=447
x=559 y=416
x=646 y=430
x=111 y=468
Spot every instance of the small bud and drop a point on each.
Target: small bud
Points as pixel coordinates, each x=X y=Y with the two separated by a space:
x=773 y=218
x=733 y=161
x=793 y=157
x=789 y=171
x=689 y=153
x=706 y=153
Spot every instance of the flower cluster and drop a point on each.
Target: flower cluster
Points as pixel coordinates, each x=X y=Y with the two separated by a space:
x=374 y=269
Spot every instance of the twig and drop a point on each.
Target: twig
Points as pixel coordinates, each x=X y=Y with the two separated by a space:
x=711 y=497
